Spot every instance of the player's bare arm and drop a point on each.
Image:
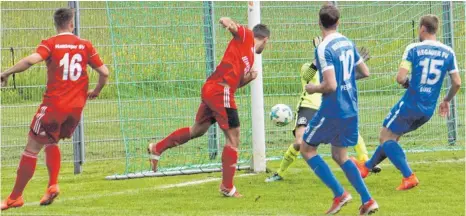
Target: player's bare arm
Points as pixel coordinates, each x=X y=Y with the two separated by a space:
x=103 y=77
x=249 y=77
x=444 y=108
x=21 y=66
x=229 y=24
x=328 y=85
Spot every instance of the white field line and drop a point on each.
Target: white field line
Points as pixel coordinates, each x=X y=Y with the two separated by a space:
x=201 y=181
x=138 y=190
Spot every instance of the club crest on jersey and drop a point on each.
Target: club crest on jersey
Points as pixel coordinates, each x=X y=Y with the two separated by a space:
x=302 y=120
x=246 y=62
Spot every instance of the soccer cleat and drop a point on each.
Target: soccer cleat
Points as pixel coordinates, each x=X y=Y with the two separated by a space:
x=154 y=157
x=368 y=208
x=51 y=193
x=11 y=203
x=339 y=202
x=408 y=183
x=376 y=169
x=229 y=192
x=273 y=178
x=361 y=167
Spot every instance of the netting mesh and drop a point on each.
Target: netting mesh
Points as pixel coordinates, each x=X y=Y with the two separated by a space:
x=156 y=52
x=160 y=90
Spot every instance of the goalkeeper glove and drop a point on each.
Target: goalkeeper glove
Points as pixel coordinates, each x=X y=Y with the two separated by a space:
x=406 y=84
x=364 y=53
x=316 y=41
x=308 y=71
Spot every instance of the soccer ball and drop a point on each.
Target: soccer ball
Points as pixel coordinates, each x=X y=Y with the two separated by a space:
x=281 y=115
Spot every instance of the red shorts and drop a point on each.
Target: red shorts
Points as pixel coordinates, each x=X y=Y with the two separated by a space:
x=51 y=124
x=218 y=105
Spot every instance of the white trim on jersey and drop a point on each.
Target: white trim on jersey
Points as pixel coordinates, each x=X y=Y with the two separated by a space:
x=308 y=139
x=45 y=47
x=321 y=49
x=93 y=55
x=226 y=97
x=331 y=67
x=455 y=65
x=437 y=43
x=360 y=61
x=409 y=48
x=396 y=114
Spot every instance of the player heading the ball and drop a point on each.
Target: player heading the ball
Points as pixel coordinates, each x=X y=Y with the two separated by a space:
x=67 y=57
x=336 y=121
x=218 y=99
x=429 y=61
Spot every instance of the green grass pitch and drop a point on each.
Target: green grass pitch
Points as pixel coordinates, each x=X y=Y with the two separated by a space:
x=384 y=27
x=441 y=191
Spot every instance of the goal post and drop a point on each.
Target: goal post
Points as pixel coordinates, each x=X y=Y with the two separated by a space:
x=257 y=98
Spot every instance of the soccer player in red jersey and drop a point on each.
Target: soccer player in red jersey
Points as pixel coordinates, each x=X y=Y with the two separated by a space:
x=67 y=57
x=218 y=101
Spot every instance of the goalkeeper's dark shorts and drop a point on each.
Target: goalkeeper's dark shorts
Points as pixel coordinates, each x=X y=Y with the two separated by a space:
x=303 y=116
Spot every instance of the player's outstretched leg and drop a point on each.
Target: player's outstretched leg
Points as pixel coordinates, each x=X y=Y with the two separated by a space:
x=398 y=158
x=178 y=137
x=53 y=162
x=229 y=162
x=340 y=156
x=26 y=168
x=396 y=155
x=288 y=158
x=377 y=158
x=362 y=154
x=290 y=155
x=322 y=170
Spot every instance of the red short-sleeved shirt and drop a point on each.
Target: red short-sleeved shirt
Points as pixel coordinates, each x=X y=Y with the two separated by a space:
x=237 y=60
x=67 y=57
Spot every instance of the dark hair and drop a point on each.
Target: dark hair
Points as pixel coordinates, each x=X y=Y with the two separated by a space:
x=430 y=22
x=261 y=31
x=329 y=16
x=62 y=17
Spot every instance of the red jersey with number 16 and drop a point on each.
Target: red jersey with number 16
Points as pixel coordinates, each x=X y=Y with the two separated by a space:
x=67 y=57
x=237 y=60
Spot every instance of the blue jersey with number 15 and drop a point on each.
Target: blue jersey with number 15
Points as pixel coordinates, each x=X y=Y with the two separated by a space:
x=338 y=53
x=429 y=61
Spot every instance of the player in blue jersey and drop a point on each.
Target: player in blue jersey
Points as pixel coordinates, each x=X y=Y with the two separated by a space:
x=429 y=61
x=336 y=121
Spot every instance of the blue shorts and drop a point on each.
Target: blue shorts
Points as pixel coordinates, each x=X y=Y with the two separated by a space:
x=338 y=132
x=401 y=120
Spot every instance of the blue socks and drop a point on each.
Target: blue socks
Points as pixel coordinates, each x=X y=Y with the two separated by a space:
x=397 y=157
x=353 y=175
x=322 y=170
x=378 y=156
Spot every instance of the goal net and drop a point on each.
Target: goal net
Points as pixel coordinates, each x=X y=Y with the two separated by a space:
x=163 y=52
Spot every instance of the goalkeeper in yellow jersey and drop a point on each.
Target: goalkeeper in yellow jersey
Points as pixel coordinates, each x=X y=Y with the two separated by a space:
x=307 y=106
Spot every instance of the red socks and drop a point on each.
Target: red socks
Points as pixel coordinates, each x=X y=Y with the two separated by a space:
x=178 y=137
x=27 y=166
x=229 y=160
x=52 y=160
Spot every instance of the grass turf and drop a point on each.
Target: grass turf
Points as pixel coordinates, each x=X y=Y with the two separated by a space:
x=441 y=191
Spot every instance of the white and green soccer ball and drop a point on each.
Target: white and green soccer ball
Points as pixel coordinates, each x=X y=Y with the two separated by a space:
x=281 y=115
